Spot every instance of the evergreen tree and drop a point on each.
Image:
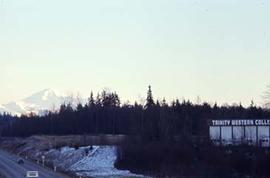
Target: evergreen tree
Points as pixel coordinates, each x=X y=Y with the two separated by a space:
x=91 y=100
x=164 y=104
x=79 y=107
x=149 y=100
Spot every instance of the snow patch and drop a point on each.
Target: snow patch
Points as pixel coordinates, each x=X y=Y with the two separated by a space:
x=100 y=163
x=65 y=150
x=95 y=161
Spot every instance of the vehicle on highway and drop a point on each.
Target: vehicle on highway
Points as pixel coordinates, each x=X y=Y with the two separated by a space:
x=32 y=174
x=20 y=161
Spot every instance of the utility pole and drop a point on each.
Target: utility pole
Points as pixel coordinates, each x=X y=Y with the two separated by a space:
x=43 y=160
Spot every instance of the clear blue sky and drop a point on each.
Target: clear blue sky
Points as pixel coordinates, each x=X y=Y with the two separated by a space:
x=215 y=49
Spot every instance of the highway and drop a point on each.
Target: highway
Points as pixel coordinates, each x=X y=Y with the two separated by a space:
x=11 y=169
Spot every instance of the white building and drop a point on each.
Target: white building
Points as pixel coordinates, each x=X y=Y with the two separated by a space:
x=237 y=131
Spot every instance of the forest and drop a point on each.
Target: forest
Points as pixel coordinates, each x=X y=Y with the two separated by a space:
x=104 y=114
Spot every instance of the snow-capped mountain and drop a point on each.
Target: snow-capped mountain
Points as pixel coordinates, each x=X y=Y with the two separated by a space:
x=37 y=103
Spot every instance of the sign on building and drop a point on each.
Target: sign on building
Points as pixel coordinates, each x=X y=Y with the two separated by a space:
x=237 y=131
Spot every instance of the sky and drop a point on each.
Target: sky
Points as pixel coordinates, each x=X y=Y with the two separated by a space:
x=215 y=49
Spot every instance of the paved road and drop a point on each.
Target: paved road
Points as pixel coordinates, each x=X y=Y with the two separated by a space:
x=11 y=169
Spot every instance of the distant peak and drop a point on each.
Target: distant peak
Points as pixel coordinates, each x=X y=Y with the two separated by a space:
x=48 y=90
x=46 y=99
x=43 y=95
x=48 y=93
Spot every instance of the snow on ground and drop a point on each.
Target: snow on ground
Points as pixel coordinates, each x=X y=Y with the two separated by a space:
x=66 y=156
x=101 y=164
x=96 y=161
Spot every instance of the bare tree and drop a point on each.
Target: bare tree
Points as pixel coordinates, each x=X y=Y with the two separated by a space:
x=70 y=99
x=266 y=97
x=79 y=99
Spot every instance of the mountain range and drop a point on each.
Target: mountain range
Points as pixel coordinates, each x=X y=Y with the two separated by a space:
x=38 y=103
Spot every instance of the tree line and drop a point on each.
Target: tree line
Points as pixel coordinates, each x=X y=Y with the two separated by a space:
x=104 y=114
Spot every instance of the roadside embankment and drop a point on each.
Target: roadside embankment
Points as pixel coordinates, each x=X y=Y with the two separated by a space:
x=69 y=155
